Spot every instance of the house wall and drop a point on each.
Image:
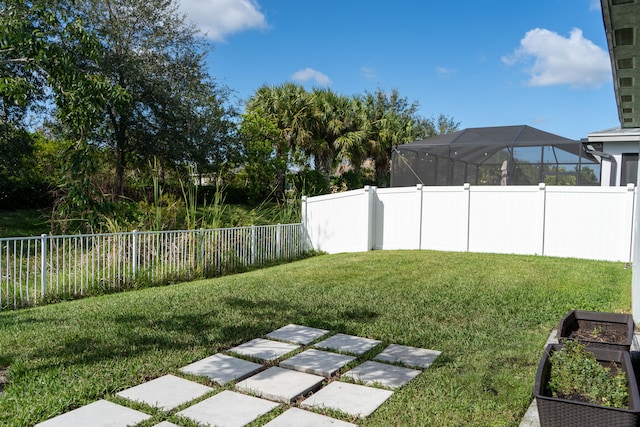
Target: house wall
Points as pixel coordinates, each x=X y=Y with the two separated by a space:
x=616 y=149
x=616 y=142
x=580 y=222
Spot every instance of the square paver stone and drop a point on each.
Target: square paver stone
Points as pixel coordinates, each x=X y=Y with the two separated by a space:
x=166 y=393
x=264 y=349
x=409 y=356
x=222 y=368
x=281 y=385
x=348 y=344
x=385 y=375
x=317 y=362
x=295 y=417
x=352 y=399
x=297 y=334
x=228 y=409
x=99 y=414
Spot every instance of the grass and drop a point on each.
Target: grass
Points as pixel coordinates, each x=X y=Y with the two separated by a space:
x=489 y=315
x=23 y=222
x=34 y=222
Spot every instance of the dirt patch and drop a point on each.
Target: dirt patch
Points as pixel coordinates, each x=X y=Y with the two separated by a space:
x=599 y=335
x=3 y=377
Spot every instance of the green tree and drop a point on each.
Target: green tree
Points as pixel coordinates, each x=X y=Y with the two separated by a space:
x=337 y=130
x=393 y=120
x=47 y=56
x=290 y=109
x=149 y=50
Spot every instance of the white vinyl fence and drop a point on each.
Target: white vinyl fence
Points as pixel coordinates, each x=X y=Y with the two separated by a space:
x=579 y=222
x=37 y=269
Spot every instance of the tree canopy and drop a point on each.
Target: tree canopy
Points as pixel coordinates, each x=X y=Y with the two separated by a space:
x=120 y=91
x=327 y=128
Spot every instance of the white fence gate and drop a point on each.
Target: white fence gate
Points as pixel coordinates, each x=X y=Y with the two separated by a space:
x=580 y=222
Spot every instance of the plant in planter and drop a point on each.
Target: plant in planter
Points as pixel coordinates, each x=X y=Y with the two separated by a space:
x=586 y=386
x=576 y=375
x=596 y=329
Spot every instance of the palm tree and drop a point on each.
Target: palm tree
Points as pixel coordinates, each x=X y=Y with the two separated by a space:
x=391 y=121
x=288 y=107
x=336 y=130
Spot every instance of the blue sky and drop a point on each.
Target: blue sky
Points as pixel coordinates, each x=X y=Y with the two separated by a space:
x=542 y=63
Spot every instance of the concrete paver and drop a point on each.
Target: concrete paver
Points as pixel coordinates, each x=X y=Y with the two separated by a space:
x=348 y=344
x=101 y=413
x=222 y=368
x=317 y=362
x=352 y=399
x=297 y=334
x=295 y=417
x=264 y=349
x=281 y=385
x=228 y=409
x=390 y=376
x=166 y=393
x=408 y=356
x=295 y=378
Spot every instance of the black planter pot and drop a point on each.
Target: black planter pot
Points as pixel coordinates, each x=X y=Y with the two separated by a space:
x=578 y=320
x=566 y=413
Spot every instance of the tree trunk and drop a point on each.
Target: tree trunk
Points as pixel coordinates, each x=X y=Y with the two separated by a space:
x=120 y=134
x=323 y=165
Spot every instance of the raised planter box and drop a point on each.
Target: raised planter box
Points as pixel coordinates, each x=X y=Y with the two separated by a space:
x=577 y=324
x=567 y=413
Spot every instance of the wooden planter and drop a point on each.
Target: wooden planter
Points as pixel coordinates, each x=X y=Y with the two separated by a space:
x=566 y=413
x=577 y=322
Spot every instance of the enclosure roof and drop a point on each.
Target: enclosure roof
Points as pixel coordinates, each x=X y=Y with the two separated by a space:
x=521 y=135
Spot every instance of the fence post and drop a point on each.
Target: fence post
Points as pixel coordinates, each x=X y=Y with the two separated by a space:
x=200 y=256
x=308 y=244
x=467 y=190
x=370 y=194
x=278 y=231
x=252 y=259
x=134 y=254
x=543 y=214
x=420 y=196
x=43 y=264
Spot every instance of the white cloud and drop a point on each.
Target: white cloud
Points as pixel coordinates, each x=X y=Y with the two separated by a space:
x=595 y=5
x=445 y=72
x=368 y=73
x=558 y=60
x=308 y=74
x=220 y=18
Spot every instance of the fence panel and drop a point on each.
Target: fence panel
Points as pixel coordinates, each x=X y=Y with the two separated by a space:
x=582 y=222
x=48 y=268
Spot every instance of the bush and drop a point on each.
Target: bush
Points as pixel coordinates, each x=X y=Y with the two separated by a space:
x=577 y=375
x=309 y=182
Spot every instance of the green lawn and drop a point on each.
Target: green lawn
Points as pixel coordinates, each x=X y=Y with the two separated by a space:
x=24 y=222
x=489 y=315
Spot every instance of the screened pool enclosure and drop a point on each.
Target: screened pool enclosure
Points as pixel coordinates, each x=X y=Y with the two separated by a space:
x=506 y=155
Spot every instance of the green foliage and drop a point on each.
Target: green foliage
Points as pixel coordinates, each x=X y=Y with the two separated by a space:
x=576 y=374
x=24 y=222
x=262 y=164
x=309 y=182
x=80 y=205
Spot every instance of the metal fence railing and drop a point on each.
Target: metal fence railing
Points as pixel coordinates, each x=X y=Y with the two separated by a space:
x=37 y=269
